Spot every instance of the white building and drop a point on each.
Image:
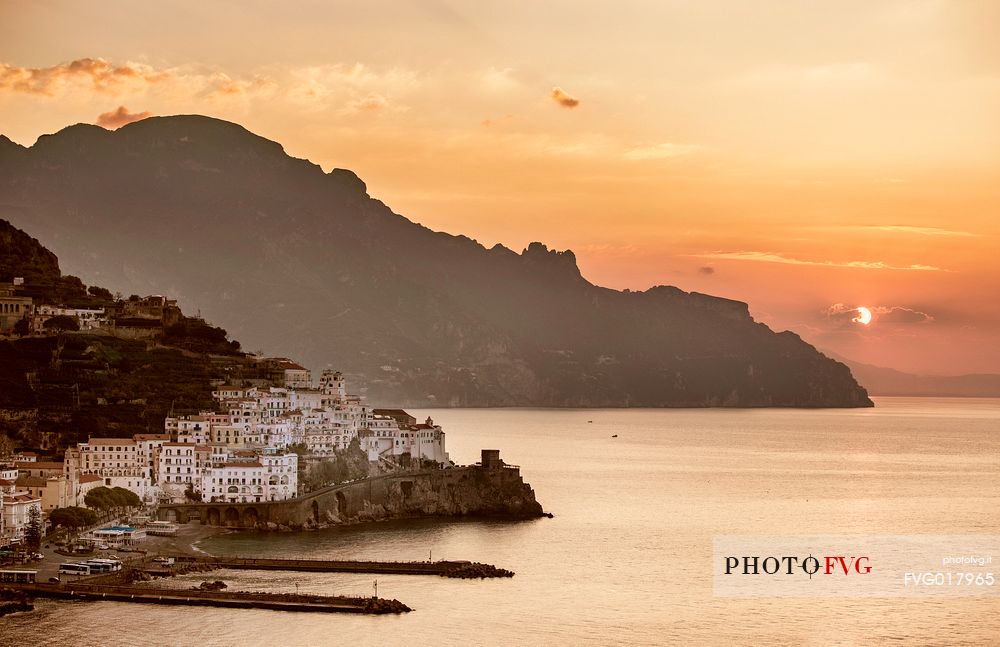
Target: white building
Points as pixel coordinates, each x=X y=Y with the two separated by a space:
x=112 y=457
x=89 y=319
x=120 y=462
x=387 y=439
x=189 y=429
x=242 y=479
x=178 y=470
x=16 y=514
x=149 y=453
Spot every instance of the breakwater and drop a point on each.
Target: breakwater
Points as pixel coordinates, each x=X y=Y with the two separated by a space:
x=14 y=601
x=227 y=599
x=454 y=569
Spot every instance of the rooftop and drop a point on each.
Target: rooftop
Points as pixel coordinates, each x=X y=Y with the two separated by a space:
x=39 y=465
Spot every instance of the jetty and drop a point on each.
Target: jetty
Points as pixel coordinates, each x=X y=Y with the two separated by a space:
x=453 y=569
x=231 y=600
x=119 y=586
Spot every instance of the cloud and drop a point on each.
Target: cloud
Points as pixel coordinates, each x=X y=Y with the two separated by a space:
x=825 y=75
x=707 y=269
x=100 y=74
x=127 y=79
x=118 y=118
x=665 y=150
x=370 y=103
x=498 y=80
x=770 y=257
x=920 y=231
x=353 y=88
x=320 y=82
x=841 y=313
x=564 y=99
x=488 y=123
x=899 y=315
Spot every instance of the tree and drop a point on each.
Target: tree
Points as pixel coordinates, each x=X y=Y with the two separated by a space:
x=61 y=322
x=191 y=494
x=98 y=498
x=126 y=498
x=72 y=517
x=6 y=446
x=100 y=293
x=103 y=498
x=22 y=327
x=33 y=531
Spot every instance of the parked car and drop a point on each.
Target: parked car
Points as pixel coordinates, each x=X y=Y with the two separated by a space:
x=54 y=580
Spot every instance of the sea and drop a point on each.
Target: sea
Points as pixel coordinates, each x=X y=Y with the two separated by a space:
x=638 y=498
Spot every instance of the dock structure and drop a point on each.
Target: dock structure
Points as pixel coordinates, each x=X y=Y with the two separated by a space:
x=118 y=587
x=459 y=569
x=231 y=600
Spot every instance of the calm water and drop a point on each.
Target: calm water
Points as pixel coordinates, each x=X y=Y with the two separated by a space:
x=626 y=560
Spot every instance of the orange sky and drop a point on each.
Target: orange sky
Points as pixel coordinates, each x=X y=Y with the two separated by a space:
x=795 y=155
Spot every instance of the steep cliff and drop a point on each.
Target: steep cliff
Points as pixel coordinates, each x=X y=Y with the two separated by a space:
x=468 y=492
x=306 y=264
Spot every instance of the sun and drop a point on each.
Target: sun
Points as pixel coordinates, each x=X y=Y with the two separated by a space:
x=864 y=316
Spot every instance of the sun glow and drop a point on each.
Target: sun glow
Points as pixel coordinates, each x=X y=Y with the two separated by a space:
x=864 y=316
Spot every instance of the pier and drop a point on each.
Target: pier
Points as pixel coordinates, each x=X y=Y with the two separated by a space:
x=231 y=600
x=119 y=587
x=454 y=569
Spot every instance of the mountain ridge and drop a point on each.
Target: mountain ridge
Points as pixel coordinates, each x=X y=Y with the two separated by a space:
x=885 y=381
x=307 y=264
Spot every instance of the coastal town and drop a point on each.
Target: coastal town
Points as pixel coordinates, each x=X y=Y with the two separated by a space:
x=263 y=434
x=238 y=454
x=215 y=440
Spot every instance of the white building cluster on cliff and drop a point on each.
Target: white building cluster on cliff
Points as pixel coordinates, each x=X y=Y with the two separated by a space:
x=236 y=453
x=239 y=453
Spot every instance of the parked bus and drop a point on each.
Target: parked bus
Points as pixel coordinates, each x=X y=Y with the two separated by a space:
x=108 y=565
x=74 y=569
x=97 y=567
x=18 y=577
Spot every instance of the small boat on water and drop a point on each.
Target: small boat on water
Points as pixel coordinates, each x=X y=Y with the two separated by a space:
x=614 y=435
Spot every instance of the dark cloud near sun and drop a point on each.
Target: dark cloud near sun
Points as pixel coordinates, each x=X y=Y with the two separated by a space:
x=563 y=98
x=900 y=315
x=843 y=315
x=708 y=270
x=118 y=118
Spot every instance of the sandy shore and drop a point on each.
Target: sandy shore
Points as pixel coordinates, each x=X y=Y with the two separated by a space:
x=185 y=542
